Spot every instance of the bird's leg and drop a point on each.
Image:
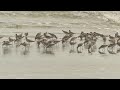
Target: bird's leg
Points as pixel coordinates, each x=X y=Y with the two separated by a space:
x=77 y=50
x=38 y=46
x=80 y=49
x=112 y=49
x=104 y=50
x=89 y=51
x=52 y=48
x=25 y=48
x=46 y=49
x=81 y=38
x=73 y=46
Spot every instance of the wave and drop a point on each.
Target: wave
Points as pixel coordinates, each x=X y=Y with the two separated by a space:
x=70 y=14
x=65 y=14
x=108 y=16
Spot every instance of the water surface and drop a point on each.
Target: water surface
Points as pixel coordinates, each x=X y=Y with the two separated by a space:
x=61 y=62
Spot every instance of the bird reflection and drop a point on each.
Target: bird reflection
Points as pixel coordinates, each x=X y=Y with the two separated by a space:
x=38 y=49
x=25 y=52
x=94 y=48
x=118 y=51
x=72 y=51
x=48 y=52
x=65 y=46
x=6 y=50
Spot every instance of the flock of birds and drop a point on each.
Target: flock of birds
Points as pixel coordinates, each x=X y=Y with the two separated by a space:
x=87 y=40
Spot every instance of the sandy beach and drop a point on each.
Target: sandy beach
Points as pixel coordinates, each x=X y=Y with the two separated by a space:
x=61 y=63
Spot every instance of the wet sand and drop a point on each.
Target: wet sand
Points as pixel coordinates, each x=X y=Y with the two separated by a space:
x=60 y=63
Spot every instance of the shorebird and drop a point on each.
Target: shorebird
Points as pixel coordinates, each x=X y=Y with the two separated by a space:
x=89 y=47
x=38 y=36
x=104 y=38
x=79 y=46
x=86 y=42
x=53 y=35
x=19 y=36
x=16 y=36
x=49 y=39
x=118 y=42
x=112 y=41
x=73 y=38
x=92 y=44
x=11 y=40
x=103 y=48
x=65 y=38
x=82 y=35
x=6 y=43
x=26 y=34
x=17 y=40
x=70 y=32
x=28 y=40
x=1 y=37
x=72 y=41
x=47 y=36
x=116 y=34
x=50 y=45
x=111 y=46
x=97 y=34
x=24 y=44
x=44 y=42
x=111 y=52
x=38 y=43
x=111 y=37
x=65 y=32
x=47 y=44
x=101 y=52
x=56 y=41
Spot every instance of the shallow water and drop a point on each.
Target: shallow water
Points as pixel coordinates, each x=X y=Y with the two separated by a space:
x=60 y=62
